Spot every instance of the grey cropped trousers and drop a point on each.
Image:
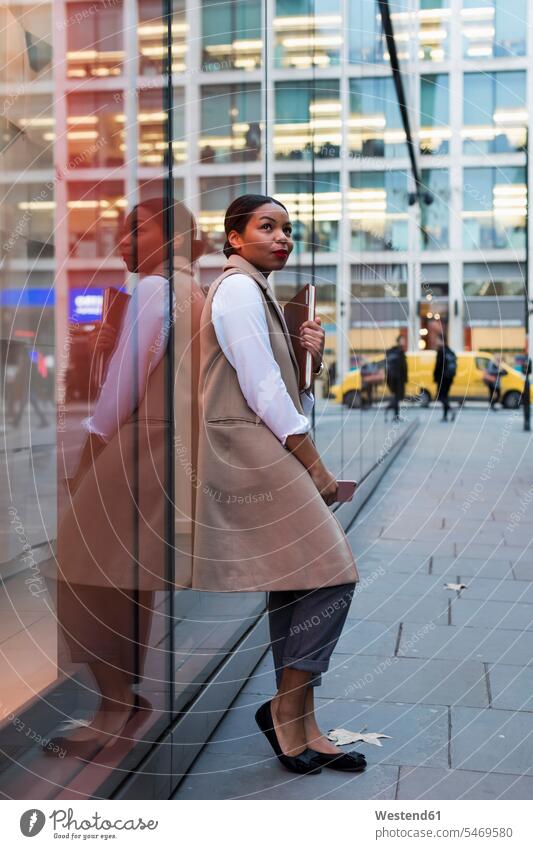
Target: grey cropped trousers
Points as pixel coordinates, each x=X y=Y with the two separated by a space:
x=305 y=626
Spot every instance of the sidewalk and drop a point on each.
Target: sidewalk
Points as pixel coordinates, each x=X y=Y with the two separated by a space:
x=448 y=675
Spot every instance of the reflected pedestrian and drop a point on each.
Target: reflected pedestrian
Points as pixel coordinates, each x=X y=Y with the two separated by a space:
x=443 y=376
x=396 y=376
x=492 y=379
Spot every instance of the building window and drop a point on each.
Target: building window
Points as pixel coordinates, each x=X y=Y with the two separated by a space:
x=378 y=210
x=96 y=217
x=494 y=208
x=434 y=217
x=95 y=46
x=307 y=116
x=494 y=28
x=216 y=194
x=231 y=35
x=375 y=125
x=434 y=114
x=366 y=41
x=230 y=123
x=494 y=112
x=378 y=281
x=307 y=35
x=494 y=279
x=93 y=116
x=314 y=208
x=433 y=30
x=152 y=35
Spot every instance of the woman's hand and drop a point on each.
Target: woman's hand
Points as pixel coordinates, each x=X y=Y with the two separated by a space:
x=104 y=338
x=325 y=482
x=312 y=338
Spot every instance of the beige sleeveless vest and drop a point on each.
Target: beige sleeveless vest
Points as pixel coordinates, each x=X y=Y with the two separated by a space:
x=260 y=522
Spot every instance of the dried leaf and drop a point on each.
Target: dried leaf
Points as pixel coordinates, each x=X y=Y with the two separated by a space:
x=342 y=737
x=455 y=586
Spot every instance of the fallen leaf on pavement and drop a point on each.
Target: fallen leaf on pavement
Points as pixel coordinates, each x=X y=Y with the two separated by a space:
x=455 y=586
x=341 y=736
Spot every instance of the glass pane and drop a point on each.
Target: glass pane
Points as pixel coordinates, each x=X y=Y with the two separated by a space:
x=494 y=207
x=231 y=123
x=315 y=210
x=378 y=202
x=495 y=112
x=434 y=114
x=307 y=119
x=494 y=28
x=434 y=209
x=307 y=34
x=495 y=279
x=231 y=35
x=375 y=125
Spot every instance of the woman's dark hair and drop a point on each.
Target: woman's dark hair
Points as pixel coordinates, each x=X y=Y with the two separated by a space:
x=239 y=212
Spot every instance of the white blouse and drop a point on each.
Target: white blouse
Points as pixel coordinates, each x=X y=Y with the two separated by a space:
x=143 y=337
x=239 y=320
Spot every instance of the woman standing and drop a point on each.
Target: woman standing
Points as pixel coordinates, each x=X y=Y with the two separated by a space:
x=262 y=521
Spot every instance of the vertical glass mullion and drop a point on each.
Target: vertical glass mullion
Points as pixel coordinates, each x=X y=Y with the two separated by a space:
x=169 y=489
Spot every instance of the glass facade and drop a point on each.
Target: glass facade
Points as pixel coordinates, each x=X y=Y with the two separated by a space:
x=231 y=35
x=230 y=123
x=375 y=125
x=494 y=279
x=494 y=208
x=316 y=208
x=307 y=119
x=494 y=28
x=307 y=34
x=434 y=216
x=378 y=210
x=434 y=114
x=494 y=112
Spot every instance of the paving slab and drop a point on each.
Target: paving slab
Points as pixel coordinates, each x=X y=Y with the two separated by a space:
x=402 y=548
x=496 y=589
x=412 y=583
x=492 y=740
x=363 y=636
x=415 y=565
x=419 y=733
x=404 y=679
x=523 y=569
x=492 y=614
x=399 y=608
x=471 y=567
x=435 y=783
x=251 y=777
x=511 y=686
x=486 y=645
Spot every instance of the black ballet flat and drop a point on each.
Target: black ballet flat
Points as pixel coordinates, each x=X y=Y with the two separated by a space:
x=344 y=761
x=305 y=763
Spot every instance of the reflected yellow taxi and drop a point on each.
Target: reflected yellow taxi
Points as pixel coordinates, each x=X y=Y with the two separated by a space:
x=467 y=385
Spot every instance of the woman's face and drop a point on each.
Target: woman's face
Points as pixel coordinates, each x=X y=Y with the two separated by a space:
x=143 y=245
x=267 y=238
